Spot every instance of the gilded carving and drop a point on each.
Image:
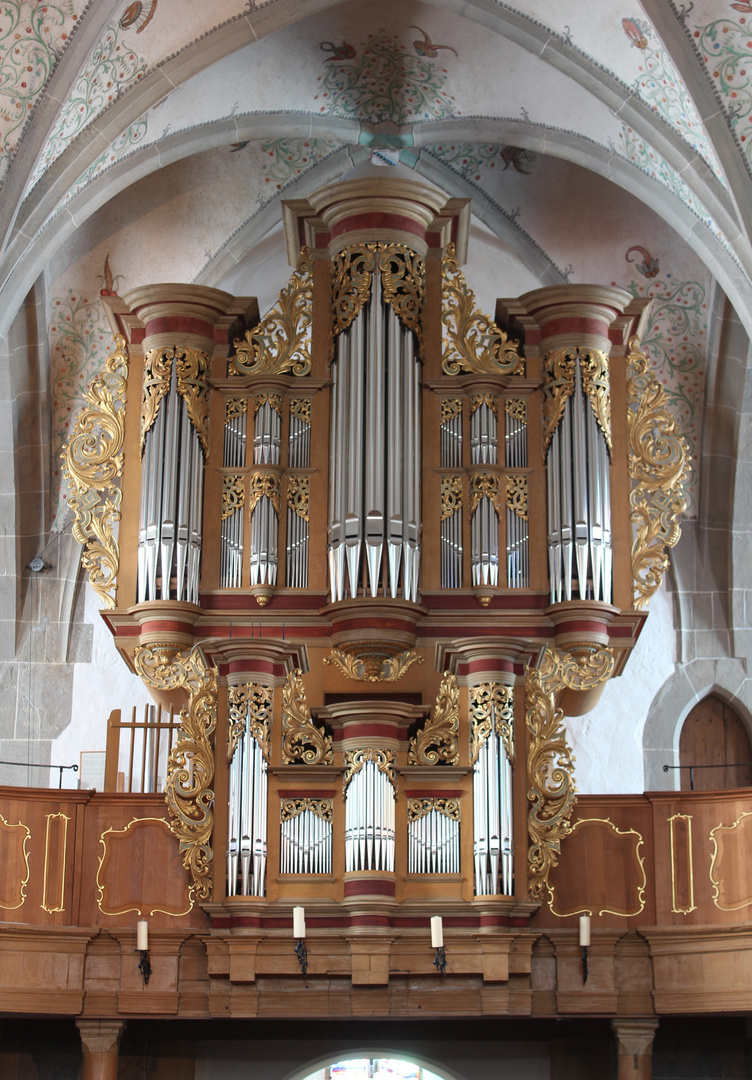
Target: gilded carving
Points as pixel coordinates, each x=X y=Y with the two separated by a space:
x=92 y=462
x=473 y=342
x=235 y=407
x=491 y=708
x=659 y=464
x=191 y=374
x=264 y=484
x=281 y=341
x=16 y=870
x=292 y=808
x=301 y=739
x=356 y=759
x=516 y=408
x=559 y=383
x=517 y=495
x=250 y=708
x=55 y=851
x=274 y=401
x=233 y=495
x=550 y=766
x=490 y=400
x=451 y=408
x=680 y=829
x=190 y=767
x=301 y=408
x=298 y=495
x=485 y=485
x=367 y=662
x=419 y=808
x=438 y=739
x=402 y=280
x=451 y=496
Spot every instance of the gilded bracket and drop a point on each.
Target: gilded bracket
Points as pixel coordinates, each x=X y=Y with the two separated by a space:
x=473 y=342
x=301 y=739
x=438 y=739
x=281 y=342
x=92 y=463
x=368 y=662
x=550 y=765
x=190 y=768
x=250 y=708
x=491 y=707
x=659 y=465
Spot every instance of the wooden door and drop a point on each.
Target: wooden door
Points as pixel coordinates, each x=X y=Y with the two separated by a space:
x=713 y=735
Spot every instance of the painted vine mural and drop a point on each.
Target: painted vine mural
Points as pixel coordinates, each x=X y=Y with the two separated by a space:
x=725 y=45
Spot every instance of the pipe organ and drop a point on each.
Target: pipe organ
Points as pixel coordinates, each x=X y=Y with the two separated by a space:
x=372 y=541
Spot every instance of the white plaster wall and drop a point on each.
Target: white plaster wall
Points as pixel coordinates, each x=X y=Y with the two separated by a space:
x=98 y=688
x=607 y=742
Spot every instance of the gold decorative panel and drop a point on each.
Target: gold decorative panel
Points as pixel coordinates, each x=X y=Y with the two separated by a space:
x=14 y=859
x=682 y=871
x=588 y=884
x=729 y=876
x=139 y=870
x=55 y=851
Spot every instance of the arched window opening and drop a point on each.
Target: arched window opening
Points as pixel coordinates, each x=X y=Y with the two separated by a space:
x=714 y=748
x=373 y=1068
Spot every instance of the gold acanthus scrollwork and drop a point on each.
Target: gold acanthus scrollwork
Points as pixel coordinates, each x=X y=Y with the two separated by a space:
x=419 y=808
x=281 y=341
x=250 y=708
x=451 y=408
x=516 y=408
x=402 y=281
x=491 y=706
x=233 y=495
x=659 y=466
x=235 y=406
x=451 y=496
x=473 y=342
x=191 y=383
x=486 y=485
x=321 y=808
x=438 y=739
x=356 y=759
x=274 y=401
x=92 y=462
x=301 y=739
x=372 y=666
x=190 y=767
x=489 y=400
x=550 y=766
x=517 y=495
x=264 y=484
x=559 y=384
x=301 y=408
x=298 y=495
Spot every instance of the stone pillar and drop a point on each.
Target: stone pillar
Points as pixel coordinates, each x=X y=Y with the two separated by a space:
x=100 y=1040
x=635 y=1047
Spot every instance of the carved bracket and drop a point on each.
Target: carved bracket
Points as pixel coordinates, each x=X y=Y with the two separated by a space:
x=92 y=463
x=438 y=740
x=659 y=465
x=190 y=768
x=370 y=661
x=282 y=340
x=301 y=739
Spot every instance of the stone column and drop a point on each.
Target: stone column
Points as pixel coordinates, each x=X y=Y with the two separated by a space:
x=100 y=1040
x=635 y=1047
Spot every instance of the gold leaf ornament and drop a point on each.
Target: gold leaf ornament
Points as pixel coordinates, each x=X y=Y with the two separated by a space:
x=191 y=383
x=370 y=661
x=420 y=808
x=491 y=709
x=301 y=739
x=486 y=485
x=281 y=342
x=298 y=495
x=264 y=484
x=559 y=382
x=356 y=759
x=189 y=793
x=250 y=709
x=438 y=739
x=472 y=342
x=659 y=465
x=233 y=495
x=321 y=808
x=92 y=462
x=451 y=496
x=517 y=495
x=402 y=279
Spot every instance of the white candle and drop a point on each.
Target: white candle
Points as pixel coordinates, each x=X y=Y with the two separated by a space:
x=437 y=932
x=142 y=935
x=584 y=931
x=298 y=922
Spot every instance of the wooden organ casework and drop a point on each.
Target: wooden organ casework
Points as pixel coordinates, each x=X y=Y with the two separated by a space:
x=372 y=541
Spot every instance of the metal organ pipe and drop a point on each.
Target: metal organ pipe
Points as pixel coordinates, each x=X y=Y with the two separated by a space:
x=579 y=503
x=492 y=816
x=247 y=843
x=375 y=465
x=369 y=820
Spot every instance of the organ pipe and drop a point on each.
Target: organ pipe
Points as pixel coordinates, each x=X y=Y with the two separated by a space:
x=492 y=752
x=306 y=836
x=248 y=791
x=369 y=817
x=433 y=836
x=374 y=514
